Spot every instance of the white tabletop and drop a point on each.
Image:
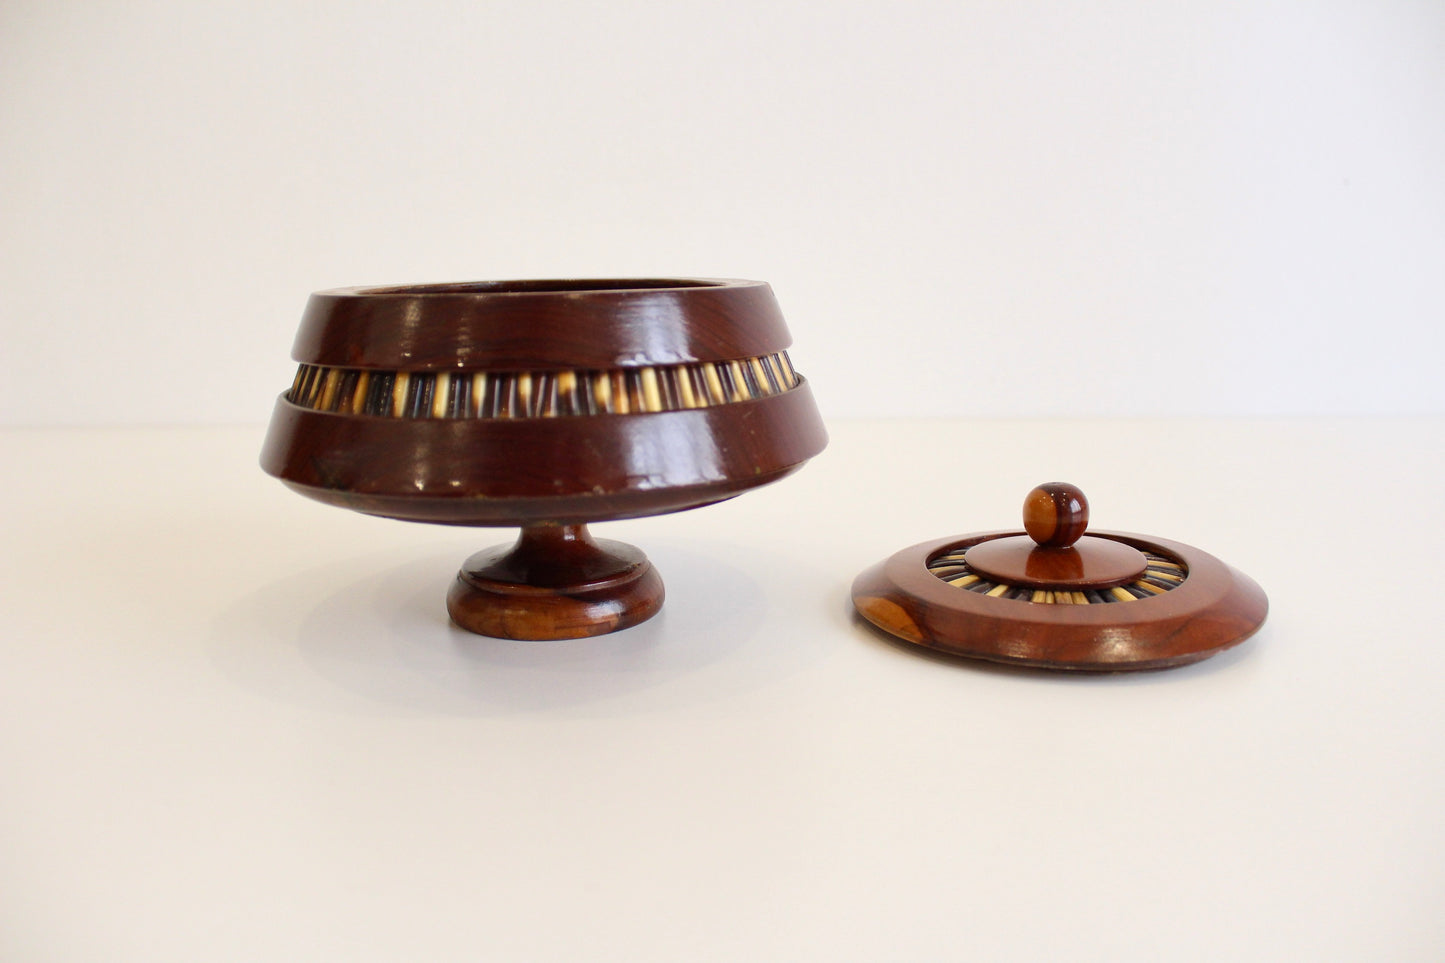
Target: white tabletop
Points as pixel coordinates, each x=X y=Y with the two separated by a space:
x=237 y=725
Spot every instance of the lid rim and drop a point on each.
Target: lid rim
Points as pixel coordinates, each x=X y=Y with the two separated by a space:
x=1214 y=608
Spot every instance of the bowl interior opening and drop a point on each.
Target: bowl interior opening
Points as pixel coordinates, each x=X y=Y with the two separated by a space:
x=546 y=287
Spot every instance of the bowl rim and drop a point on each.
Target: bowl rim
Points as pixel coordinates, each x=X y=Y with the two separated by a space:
x=534 y=287
x=541 y=325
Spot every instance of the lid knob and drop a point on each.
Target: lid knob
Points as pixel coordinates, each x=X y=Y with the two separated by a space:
x=1056 y=514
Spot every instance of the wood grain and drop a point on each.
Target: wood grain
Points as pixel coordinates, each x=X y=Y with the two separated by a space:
x=1213 y=608
x=556 y=582
x=546 y=405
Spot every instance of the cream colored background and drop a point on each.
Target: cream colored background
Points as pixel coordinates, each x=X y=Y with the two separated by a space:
x=968 y=208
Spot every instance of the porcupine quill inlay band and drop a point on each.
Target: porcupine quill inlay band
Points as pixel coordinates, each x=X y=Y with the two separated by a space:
x=540 y=394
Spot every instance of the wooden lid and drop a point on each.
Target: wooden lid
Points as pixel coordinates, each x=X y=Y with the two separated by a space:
x=1059 y=599
x=541 y=325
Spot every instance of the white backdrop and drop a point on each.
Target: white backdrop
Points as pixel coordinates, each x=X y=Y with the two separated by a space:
x=964 y=207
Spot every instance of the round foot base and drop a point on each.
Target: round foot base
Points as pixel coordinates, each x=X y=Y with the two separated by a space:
x=556 y=582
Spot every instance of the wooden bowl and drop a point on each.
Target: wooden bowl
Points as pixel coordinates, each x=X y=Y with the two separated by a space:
x=545 y=405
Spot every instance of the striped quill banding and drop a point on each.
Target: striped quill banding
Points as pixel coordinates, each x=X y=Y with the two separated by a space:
x=540 y=394
x=1161 y=575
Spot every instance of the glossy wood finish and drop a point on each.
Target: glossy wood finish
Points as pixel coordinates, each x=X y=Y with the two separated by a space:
x=1161 y=574
x=516 y=471
x=1055 y=554
x=541 y=325
x=690 y=400
x=556 y=582
x=1090 y=563
x=1212 y=609
x=1056 y=514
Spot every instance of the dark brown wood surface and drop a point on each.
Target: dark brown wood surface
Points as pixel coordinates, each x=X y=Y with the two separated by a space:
x=1091 y=562
x=540 y=325
x=1216 y=607
x=518 y=471
x=548 y=471
x=556 y=582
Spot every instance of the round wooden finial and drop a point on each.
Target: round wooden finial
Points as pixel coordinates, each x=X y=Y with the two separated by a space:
x=1056 y=514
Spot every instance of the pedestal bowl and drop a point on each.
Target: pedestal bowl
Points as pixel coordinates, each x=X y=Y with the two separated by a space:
x=544 y=405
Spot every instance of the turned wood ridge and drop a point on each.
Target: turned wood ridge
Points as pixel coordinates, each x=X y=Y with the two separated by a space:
x=545 y=405
x=1054 y=597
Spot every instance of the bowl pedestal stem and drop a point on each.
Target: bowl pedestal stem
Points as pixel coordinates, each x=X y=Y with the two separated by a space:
x=556 y=582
